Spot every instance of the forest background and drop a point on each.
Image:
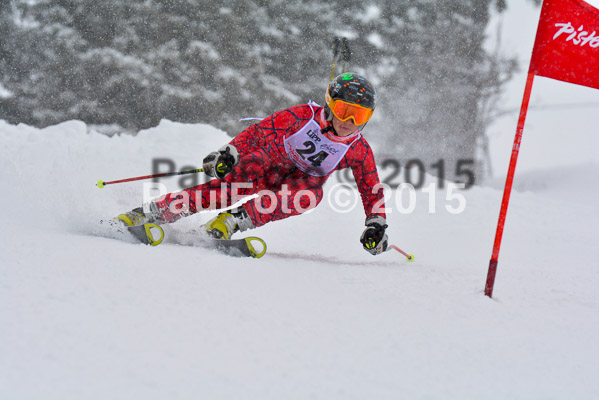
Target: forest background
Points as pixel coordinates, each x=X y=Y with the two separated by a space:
x=122 y=66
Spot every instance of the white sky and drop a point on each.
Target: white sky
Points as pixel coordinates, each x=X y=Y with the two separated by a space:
x=553 y=135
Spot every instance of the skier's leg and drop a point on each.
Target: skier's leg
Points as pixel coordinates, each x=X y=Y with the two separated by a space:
x=254 y=172
x=227 y=223
x=211 y=195
x=297 y=194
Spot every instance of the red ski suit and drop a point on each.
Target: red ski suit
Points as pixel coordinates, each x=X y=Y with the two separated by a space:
x=265 y=166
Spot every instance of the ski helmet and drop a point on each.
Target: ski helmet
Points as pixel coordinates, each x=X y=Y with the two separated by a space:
x=350 y=88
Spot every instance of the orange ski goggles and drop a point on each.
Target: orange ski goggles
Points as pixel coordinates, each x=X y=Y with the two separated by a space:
x=344 y=111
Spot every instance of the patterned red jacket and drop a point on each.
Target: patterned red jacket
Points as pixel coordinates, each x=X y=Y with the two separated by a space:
x=269 y=135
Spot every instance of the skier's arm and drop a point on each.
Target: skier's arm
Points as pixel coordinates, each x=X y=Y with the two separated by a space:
x=220 y=163
x=250 y=139
x=259 y=135
x=365 y=173
x=373 y=239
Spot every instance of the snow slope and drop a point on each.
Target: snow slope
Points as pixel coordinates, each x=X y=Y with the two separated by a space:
x=84 y=316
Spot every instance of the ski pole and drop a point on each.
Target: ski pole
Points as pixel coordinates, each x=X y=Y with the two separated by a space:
x=101 y=183
x=336 y=44
x=410 y=257
x=345 y=54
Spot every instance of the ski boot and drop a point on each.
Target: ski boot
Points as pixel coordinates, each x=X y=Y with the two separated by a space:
x=135 y=217
x=225 y=224
x=140 y=225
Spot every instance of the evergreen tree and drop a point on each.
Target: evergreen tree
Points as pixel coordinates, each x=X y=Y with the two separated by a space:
x=134 y=62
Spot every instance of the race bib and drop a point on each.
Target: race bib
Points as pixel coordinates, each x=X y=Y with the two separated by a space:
x=314 y=153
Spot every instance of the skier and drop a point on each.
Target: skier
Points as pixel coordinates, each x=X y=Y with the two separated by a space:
x=290 y=154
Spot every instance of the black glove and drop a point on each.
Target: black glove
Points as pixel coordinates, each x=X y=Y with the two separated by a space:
x=373 y=239
x=220 y=163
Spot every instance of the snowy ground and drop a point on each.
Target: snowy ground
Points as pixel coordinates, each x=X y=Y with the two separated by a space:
x=88 y=317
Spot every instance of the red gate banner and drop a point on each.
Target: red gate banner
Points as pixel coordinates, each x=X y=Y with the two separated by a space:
x=567 y=43
x=567 y=49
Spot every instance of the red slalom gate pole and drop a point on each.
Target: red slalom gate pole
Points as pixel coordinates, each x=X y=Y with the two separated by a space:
x=508 y=187
x=101 y=183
